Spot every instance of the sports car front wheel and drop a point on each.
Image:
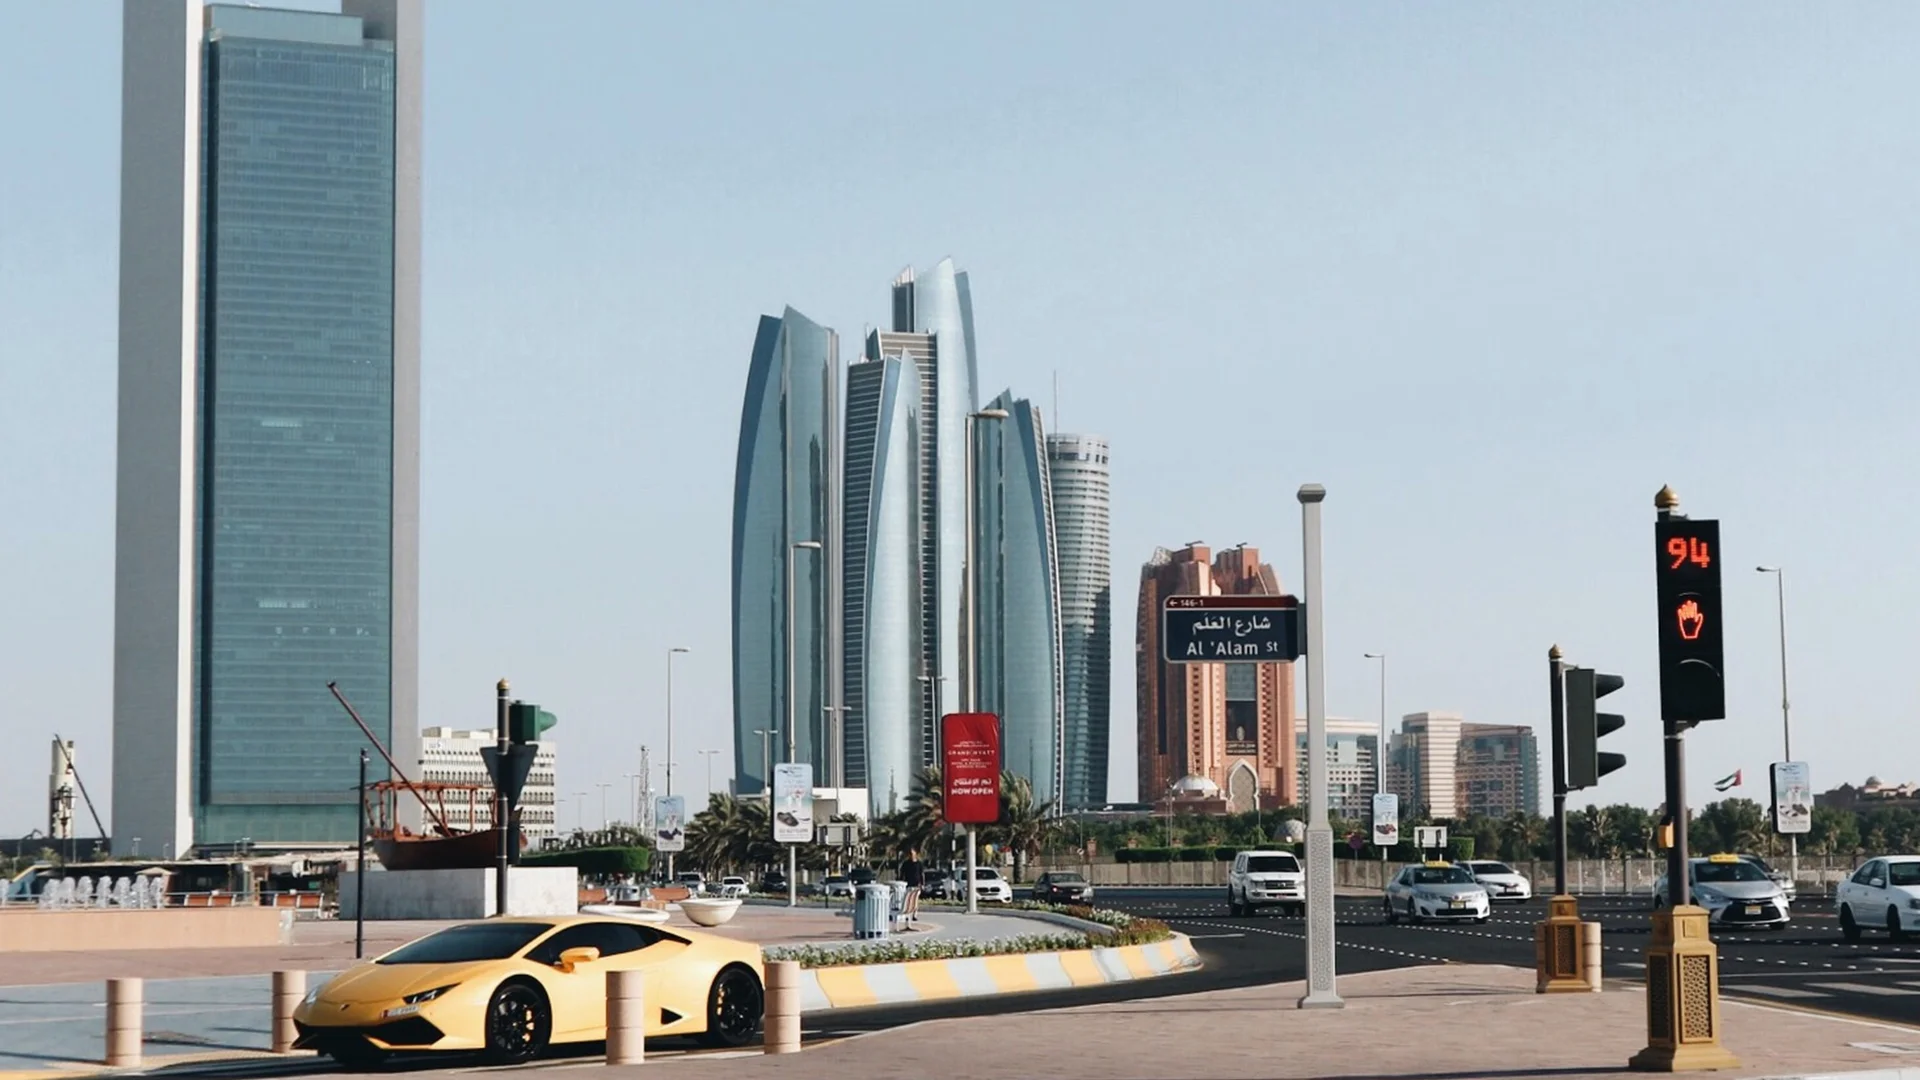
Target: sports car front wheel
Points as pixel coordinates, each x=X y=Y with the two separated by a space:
x=519 y=1022
x=734 y=1008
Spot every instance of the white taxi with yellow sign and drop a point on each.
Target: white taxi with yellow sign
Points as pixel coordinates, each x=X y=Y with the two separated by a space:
x=1733 y=890
x=1436 y=890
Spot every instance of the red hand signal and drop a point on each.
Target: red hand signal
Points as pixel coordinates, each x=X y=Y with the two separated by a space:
x=1692 y=620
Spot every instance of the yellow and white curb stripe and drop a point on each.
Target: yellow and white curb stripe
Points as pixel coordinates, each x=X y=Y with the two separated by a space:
x=850 y=986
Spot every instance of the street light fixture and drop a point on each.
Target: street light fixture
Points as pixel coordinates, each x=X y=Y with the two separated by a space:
x=671 y=653
x=1786 y=724
x=793 y=850
x=709 y=754
x=1380 y=751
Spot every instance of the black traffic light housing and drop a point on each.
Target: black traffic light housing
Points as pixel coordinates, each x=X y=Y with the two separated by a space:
x=1586 y=762
x=1692 y=654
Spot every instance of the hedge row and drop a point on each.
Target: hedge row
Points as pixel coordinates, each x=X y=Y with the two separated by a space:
x=601 y=860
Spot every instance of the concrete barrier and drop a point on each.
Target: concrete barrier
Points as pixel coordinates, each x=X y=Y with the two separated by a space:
x=125 y=1025
x=785 y=999
x=288 y=988
x=107 y=929
x=854 y=985
x=626 y=1017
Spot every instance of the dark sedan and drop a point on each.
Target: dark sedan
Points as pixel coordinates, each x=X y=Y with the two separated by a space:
x=1062 y=887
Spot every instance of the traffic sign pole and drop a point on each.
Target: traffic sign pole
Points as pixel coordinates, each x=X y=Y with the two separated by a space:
x=1321 y=993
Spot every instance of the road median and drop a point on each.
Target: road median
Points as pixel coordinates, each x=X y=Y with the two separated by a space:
x=847 y=986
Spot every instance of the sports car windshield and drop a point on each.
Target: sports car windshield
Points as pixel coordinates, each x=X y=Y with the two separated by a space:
x=466 y=944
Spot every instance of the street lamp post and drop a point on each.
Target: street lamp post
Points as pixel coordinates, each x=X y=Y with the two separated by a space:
x=969 y=627
x=580 y=811
x=1380 y=749
x=709 y=755
x=793 y=850
x=1321 y=992
x=604 y=820
x=766 y=762
x=1786 y=723
x=671 y=653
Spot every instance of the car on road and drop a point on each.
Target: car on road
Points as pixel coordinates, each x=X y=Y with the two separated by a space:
x=989 y=885
x=1260 y=879
x=511 y=987
x=733 y=887
x=1778 y=877
x=934 y=884
x=1734 y=891
x=693 y=881
x=1436 y=890
x=1062 y=887
x=1884 y=894
x=773 y=881
x=837 y=885
x=1502 y=881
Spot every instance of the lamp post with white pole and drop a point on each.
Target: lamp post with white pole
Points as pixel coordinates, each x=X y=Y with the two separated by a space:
x=766 y=762
x=1786 y=724
x=709 y=754
x=1380 y=748
x=793 y=713
x=671 y=653
x=969 y=629
x=1321 y=993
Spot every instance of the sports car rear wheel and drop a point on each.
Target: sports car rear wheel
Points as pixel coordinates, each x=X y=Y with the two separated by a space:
x=519 y=1023
x=734 y=1008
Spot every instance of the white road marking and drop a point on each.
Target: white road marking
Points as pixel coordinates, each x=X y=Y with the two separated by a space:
x=1867 y=988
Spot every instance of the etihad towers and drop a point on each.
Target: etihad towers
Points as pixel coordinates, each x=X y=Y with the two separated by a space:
x=266 y=535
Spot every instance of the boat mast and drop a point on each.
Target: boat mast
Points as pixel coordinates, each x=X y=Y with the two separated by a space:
x=391 y=764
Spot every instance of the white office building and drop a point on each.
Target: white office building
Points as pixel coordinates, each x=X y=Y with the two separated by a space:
x=1352 y=775
x=1422 y=764
x=448 y=756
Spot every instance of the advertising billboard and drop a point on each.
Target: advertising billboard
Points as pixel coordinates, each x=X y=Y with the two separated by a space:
x=1243 y=727
x=1792 y=798
x=792 y=808
x=970 y=767
x=670 y=823
x=1386 y=819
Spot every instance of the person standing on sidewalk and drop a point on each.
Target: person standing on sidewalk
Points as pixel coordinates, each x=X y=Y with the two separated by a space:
x=910 y=872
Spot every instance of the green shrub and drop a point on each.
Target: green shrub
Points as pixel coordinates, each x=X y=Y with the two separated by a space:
x=603 y=861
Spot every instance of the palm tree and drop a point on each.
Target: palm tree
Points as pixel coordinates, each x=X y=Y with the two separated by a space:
x=1520 y=835
x=1024 y=825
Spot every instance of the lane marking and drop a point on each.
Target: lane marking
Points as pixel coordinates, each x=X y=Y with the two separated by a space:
x=1867 y=988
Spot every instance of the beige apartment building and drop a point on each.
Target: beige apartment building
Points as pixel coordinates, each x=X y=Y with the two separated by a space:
x=1445 y=768
x=1229 y=724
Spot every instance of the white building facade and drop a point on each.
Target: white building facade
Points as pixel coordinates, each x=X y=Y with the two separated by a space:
x=448 y=756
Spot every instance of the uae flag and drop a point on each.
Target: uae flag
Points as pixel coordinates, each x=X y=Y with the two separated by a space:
x=1727 y=782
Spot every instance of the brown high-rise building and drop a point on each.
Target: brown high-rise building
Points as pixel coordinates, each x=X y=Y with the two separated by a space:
x=1230 y=724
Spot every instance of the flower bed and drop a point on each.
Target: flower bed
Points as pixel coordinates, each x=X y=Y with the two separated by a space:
x=1125 y=930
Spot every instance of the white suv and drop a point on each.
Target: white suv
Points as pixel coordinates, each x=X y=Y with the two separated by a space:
x=1266 y=879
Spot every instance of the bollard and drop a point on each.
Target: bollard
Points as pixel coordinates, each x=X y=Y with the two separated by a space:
x=626 y=1018
x=1590 y=945
x=288 y=988
x=783 y=1007
x=124 y=1029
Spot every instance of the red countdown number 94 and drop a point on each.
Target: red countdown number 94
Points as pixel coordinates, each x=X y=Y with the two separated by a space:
x=1685 y=549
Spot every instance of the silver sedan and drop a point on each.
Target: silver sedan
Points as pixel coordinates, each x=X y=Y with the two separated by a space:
x=1436 y=891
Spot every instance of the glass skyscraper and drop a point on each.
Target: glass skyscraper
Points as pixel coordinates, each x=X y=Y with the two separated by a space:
x=933 y=323
x=881 y=560
x=784 y=493
x=1017 y=627
x=268 y=498
x=1077 y=465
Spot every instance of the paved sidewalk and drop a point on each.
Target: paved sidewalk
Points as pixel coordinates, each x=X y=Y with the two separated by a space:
x=1448 y=1021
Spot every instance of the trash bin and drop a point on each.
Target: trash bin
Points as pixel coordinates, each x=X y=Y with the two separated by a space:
x=870 y=911
x=899 y=898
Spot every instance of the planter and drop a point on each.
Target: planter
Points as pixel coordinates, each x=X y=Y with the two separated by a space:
x=709 y=912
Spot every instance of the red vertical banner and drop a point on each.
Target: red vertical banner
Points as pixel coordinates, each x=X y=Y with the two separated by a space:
x=970 y=767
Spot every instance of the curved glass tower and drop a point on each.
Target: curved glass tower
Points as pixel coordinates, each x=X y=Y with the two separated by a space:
x=881 y=571
x=1077 y=465
x=783 y=488
x=937 y=308
x=1017 y=627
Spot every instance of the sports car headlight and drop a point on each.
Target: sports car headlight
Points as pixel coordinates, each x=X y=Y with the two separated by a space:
x=412 y=1002
x=313 y=995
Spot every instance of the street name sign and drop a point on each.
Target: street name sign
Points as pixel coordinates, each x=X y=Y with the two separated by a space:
x=1226 y=629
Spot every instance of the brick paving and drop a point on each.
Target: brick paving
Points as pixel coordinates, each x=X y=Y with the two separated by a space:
x=1448 y=1022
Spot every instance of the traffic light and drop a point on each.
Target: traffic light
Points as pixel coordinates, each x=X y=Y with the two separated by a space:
x=526 y=723
x=1586 y=762
x=1692 y=658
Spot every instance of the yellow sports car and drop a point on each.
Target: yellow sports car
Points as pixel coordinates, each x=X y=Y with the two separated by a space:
x=510 y=987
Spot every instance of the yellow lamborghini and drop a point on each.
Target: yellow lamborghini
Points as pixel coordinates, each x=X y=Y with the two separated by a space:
x=510 y=987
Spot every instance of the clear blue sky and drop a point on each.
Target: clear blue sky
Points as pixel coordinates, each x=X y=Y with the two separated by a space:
x=1492 y=273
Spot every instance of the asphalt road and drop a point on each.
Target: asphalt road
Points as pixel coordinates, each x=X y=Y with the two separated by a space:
x=1805 y=964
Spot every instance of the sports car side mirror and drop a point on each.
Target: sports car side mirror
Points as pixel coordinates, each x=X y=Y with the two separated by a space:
x=572 y=958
